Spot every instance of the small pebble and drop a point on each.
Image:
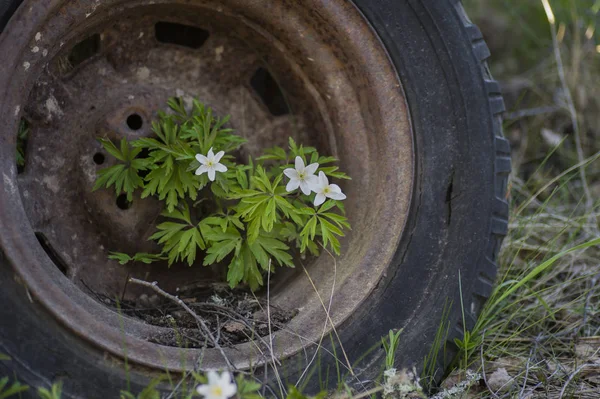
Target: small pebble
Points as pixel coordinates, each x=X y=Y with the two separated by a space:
x=154 y=301
x=500 y=380
x=143 y=301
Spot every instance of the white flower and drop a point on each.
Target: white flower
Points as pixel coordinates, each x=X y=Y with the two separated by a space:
x=303 y=177
x=210 y=163
x=324 y=189
x=218 y=387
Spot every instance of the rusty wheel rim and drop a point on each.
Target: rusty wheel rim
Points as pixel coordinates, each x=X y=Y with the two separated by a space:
x=340 y=89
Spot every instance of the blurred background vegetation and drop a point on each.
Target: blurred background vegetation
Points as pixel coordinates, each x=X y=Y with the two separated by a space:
x=543 y=340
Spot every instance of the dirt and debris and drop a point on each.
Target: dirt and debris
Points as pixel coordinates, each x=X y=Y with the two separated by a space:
x=233 y=316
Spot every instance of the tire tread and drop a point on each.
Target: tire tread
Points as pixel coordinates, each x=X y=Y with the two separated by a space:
x=488 y=267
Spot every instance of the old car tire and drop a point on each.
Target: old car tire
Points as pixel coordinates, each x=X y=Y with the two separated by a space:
x=457 y=218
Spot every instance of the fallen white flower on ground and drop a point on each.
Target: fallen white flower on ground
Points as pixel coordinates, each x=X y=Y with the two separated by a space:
x=218 y=387
x=325 y=190
x=301 y=176
x=210 y=164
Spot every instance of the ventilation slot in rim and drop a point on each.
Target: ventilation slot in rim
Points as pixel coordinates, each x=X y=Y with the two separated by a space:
x=56 y=259
x=84 y=50
x=123 y=203
x=22 y=138
x=269 y=91
x=183 y=35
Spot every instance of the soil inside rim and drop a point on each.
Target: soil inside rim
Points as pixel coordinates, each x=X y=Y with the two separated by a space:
x=233 y=316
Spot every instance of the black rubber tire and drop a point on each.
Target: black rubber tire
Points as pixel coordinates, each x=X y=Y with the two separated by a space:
x=457 y=220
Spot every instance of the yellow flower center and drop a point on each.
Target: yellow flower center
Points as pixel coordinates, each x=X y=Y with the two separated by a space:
x=210 y=163
x=326 y=190
x=302 y=176
x=217 y=391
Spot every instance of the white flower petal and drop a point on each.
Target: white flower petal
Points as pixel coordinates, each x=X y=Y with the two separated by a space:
x=291 y=173
x=211 y=174
x=337 y=196
x=203 y=390
x=220 y=167
x=201 y=158
x=219 y=155
x=319 y=199
x=323 y=181
x=225 y=378
x=229 y=390
x=313 y=182
x=292 y=185
x=335 y=188
x=305 y=187
x=201 y=169
x=211 y=154
x=311 y=169
x=213 y=376
x=299 y=164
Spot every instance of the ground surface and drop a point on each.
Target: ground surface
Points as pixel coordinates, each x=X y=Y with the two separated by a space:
x=542 y=339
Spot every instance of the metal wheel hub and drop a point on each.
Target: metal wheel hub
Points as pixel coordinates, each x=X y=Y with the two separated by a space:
x=76 y=71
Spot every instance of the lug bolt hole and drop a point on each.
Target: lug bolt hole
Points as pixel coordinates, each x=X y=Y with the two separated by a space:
x=134 y=122
x=123 y=202
x=98 y=158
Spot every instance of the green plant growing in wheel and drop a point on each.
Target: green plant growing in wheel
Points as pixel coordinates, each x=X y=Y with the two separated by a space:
x=254 y=216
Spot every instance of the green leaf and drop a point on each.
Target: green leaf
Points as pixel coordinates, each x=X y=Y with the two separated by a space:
x=22 y=137
x=328 y=232
x=294 y=393
x=274 y=154
x=124 y=176
x=55 y=391
x=326 y=206
x=247 y=389
x=305 y=211
x=333 y=171
x=235 y=273
x=308 y=232
x=340 y=220
x=293 y=146
x=122 y=258
x=180 y=241
x=260 y=254
x=15 y=388
x=149 y=392
x=222 y=244
x=112 y=149
x=252 y=275
x=166 y=231
x=241 y=178
x=143 y=257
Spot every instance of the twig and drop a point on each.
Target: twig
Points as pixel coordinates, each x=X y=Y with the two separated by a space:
x=573 y=374
x=483 y=367
x=328 y=315
x=125 y=287
x=198 y=319
x=522 y=113
x=271 y=350
x=522 y=393
x=322 y=336
x=587 y=305
x=368 y=393
x=185 y=375
x=531 y=199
